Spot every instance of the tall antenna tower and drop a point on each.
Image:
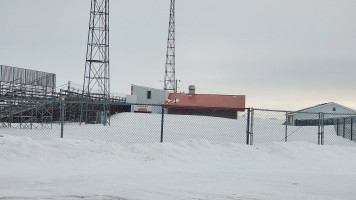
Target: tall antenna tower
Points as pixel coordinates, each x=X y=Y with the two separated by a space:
x=97 y=74
x=170 y=83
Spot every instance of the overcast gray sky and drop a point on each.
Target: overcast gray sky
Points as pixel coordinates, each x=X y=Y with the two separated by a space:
x=279 y=53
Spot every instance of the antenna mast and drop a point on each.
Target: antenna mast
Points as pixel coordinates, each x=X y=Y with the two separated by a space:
x=97 y=74
x=170 y=71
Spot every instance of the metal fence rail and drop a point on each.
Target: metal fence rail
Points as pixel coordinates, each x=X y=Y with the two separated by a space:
x=48 y=119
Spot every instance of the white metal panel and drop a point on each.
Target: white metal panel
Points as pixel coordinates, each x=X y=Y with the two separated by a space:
x=157 y=95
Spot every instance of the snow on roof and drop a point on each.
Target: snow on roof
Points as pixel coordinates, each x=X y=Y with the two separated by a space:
x=224 y=102
x=312 y=107
x=148 y=88
x=322 y=105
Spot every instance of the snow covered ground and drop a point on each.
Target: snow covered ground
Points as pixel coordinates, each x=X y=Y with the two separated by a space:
x=193 y=169
x=202 y=158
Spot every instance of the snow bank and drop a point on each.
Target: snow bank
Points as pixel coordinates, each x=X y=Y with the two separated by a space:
x=192 y=169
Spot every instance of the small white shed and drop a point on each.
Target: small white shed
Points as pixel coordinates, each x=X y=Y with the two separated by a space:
x=148 y=96
x=330 y=110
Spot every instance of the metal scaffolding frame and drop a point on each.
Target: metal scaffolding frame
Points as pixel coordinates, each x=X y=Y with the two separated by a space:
x=17 y=86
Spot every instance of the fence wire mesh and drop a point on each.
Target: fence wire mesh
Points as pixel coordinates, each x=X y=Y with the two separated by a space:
x=341 y=125
x=131 y=123
x=213 y=129
x=319 y=128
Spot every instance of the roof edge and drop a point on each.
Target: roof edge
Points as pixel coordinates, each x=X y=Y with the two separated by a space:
x=323 y=105
x=209 y=94
x=147 y=87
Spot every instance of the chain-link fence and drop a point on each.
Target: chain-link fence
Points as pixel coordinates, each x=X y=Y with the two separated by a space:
x=131 y=123
x=320 y=128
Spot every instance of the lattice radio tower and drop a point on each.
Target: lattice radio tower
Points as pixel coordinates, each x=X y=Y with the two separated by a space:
x=170 y=83
x=97 y=74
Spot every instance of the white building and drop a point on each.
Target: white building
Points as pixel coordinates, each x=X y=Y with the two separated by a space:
x=146 y=97
x=330 y=111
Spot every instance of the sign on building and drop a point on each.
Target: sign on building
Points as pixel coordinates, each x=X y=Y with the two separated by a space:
x=142 y=108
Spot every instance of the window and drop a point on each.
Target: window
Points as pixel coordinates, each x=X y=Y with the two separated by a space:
x=334 y=109
x=148 y=94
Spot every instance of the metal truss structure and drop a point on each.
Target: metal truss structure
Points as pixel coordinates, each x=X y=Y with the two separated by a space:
x=97 y=74
x=170 y=83
x=17 y=86
x=29 y=99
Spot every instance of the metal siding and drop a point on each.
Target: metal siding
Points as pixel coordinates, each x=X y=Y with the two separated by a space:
x=157 y=95
x=27 y=77
x=206 y=100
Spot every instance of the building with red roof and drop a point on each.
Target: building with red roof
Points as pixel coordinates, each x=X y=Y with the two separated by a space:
x=214 y=105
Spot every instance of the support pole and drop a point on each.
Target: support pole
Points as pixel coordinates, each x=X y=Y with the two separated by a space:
x=251 y=130
x=31 y=120
x=322 y=129
x=319 y=130
x=352 y=127
x=62 y=116
x=162 y=123
x=248 y=126
x=344 y=128
x=337 y=127
x=286 y=128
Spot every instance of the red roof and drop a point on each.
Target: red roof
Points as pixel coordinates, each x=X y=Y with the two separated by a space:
x=209 y=101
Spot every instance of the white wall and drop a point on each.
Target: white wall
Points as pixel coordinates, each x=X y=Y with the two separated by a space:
x=139 y=96
x=157 y=95
x=131 y=99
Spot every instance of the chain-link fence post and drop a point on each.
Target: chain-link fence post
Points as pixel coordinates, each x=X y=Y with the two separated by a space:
x=344 y=128
x=337 y=127
x=105 y=113
x=286 y=128
x=62 y=116
x=162 y=122
x=110 y=104
x=32 y=114
x=352 y=127
x=322 y=129
x=251 y=130
x=319 y=129
x=248 y=126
